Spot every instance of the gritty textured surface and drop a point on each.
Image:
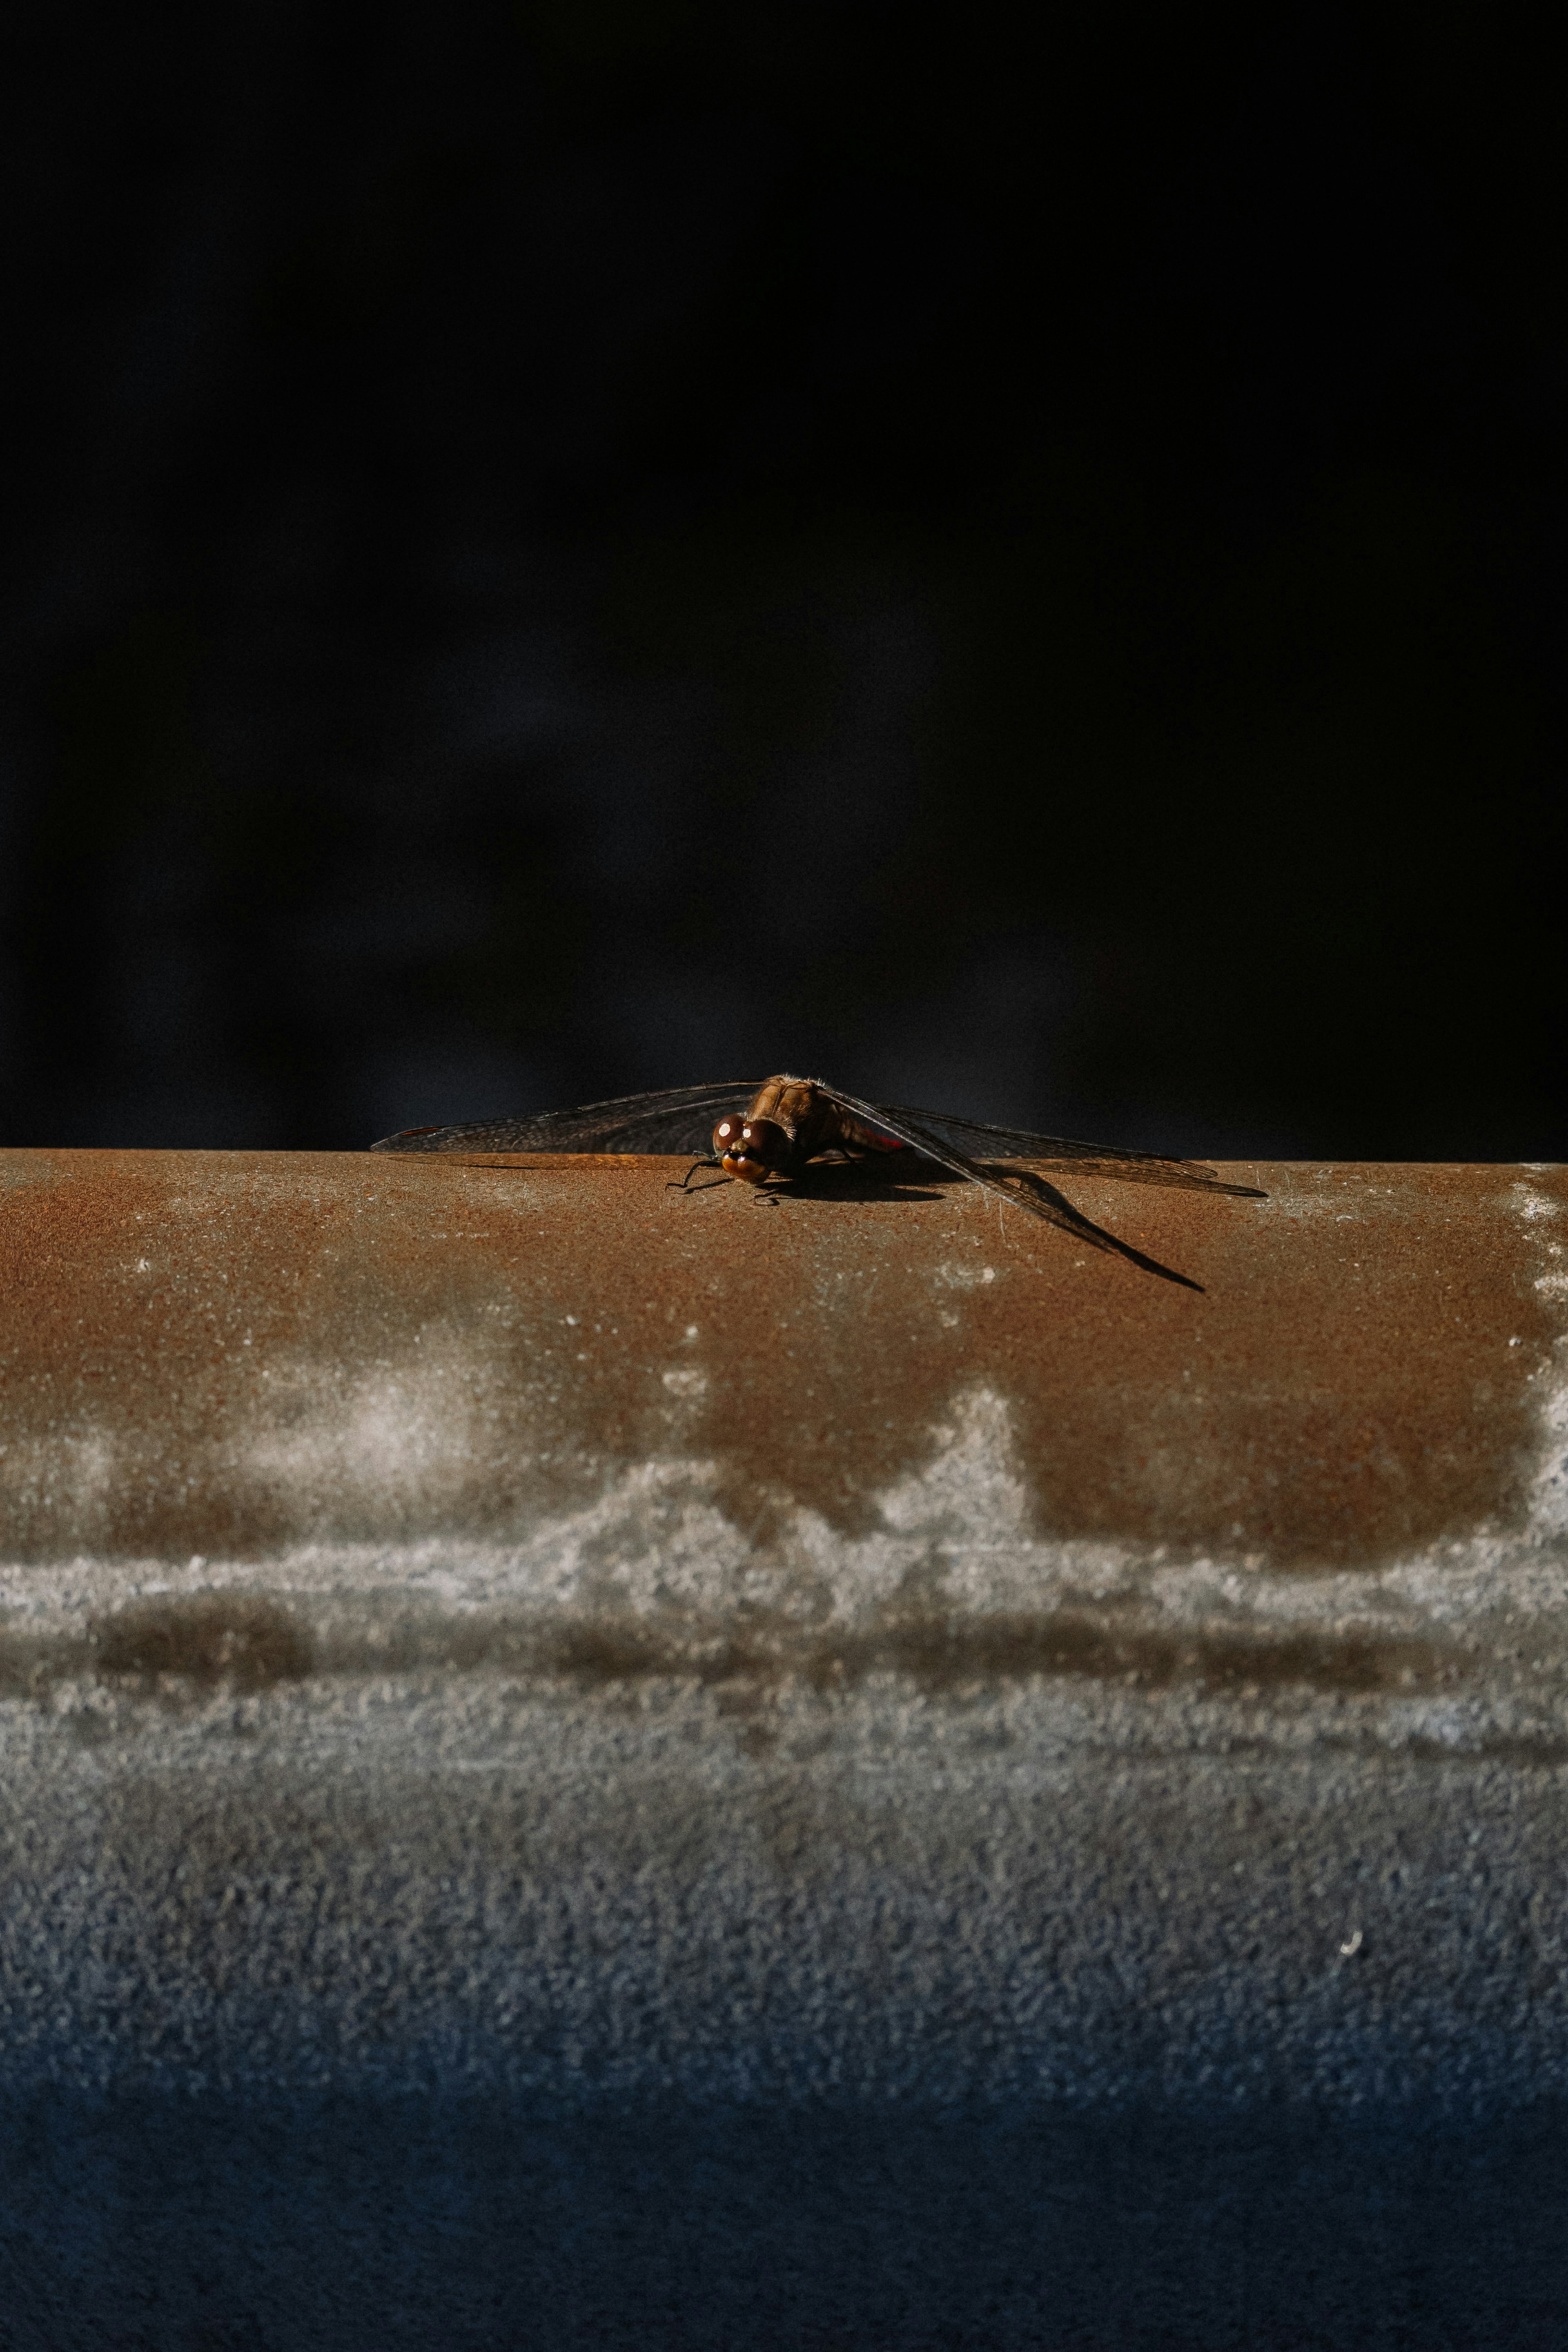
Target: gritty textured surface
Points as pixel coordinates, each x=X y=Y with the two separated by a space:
x=229 y=1351
x=852 y=1692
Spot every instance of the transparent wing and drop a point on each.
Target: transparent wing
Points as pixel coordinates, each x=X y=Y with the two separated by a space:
x=972 y=1136
x=1026 y=1192
x=674 y=1118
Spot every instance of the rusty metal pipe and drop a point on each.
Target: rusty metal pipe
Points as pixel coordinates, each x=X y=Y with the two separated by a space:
x=508 y=1632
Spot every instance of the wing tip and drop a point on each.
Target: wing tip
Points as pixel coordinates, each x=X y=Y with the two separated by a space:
x=412 y=1138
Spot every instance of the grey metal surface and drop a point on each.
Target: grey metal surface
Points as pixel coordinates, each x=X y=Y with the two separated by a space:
x=558 y=1667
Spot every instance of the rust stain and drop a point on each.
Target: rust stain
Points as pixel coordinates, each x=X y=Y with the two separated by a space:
x=244 y=1640
x=252 y=1642
x=940 y=1652
x=232 y=1352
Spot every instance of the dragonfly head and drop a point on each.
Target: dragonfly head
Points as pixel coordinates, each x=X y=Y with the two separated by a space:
x=750 y=1149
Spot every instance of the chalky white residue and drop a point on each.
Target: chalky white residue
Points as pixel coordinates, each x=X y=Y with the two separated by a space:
x=1549 y=1500
x=75 y=1468
x=405 y=1434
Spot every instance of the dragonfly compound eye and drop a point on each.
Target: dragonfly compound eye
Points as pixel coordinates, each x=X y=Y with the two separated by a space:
x=750 y=1149
x=730 y=1145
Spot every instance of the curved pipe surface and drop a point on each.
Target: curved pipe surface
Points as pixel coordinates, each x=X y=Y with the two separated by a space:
x=507 y=1639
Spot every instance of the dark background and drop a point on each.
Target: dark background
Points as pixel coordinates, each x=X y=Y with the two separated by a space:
x=1013 y=558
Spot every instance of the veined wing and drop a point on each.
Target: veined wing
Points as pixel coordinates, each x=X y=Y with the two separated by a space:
x=1027 y=1191
x=674 y=1119
x=972 y=1136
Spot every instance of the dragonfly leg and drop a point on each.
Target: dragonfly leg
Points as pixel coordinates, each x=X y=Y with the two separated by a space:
x=709 y=1161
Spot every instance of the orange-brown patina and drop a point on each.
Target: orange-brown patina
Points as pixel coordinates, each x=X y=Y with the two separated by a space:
x=1353 y=1379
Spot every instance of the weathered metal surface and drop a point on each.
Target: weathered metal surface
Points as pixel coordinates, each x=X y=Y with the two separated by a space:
x=227 y=1352
x=515 y=1629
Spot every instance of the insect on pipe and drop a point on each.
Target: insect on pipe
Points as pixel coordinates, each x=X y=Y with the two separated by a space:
x=756 y=1129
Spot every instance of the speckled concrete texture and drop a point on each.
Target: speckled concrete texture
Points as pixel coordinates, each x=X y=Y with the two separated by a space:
x=552 y=1721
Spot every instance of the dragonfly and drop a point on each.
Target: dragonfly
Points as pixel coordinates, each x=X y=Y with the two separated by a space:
x=755 y=1130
